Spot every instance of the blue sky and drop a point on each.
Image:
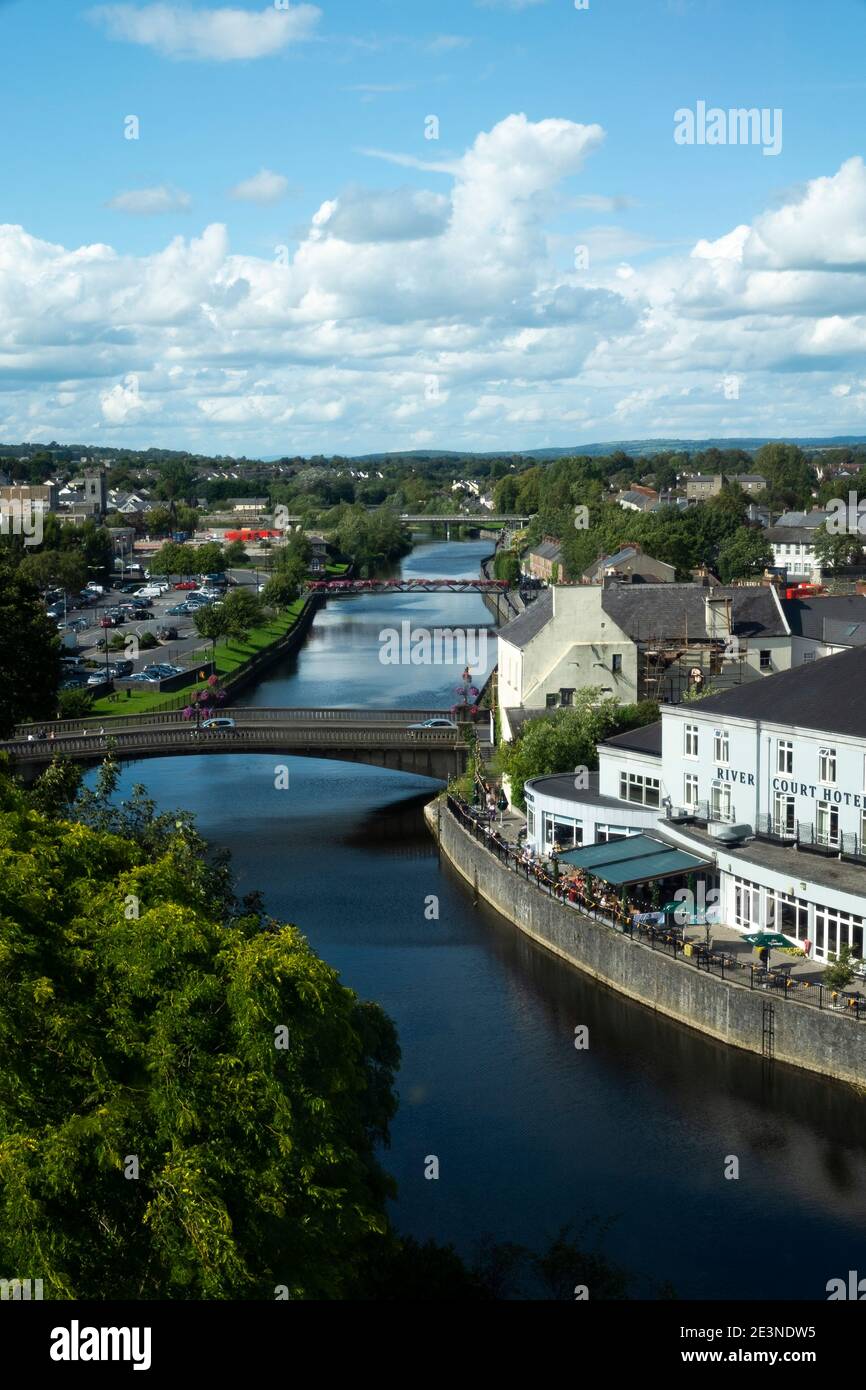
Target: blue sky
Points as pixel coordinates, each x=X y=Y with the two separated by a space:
x=281 y=261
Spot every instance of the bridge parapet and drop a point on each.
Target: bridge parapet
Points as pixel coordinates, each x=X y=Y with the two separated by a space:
x=247 y=714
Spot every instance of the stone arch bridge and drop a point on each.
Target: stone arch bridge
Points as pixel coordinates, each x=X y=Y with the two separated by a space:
x=380 y=738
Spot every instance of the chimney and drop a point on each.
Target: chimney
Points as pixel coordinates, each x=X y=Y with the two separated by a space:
x=719 y=617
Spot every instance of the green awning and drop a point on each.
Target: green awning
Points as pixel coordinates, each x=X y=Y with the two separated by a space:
x=635 y=860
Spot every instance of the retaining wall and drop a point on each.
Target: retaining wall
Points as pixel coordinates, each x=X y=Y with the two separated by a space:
x=804 y=1036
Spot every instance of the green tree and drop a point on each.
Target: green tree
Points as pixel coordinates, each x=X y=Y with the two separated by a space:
x=30 y=670
x=235 y=553
x=567 y=739
x=835 y=551
x=210 y=623
x=210 y=558
x=193 y=1102
x=240 y=612
x=745 y=553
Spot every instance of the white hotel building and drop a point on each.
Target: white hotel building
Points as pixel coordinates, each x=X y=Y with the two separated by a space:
x=765 y=784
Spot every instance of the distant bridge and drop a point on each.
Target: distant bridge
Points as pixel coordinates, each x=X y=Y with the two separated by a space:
x=476 y=521
x=408 y=586
x=380 y=738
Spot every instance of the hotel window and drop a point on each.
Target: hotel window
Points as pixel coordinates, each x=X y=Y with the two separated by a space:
x=809 y=656
x=833 y=930
x=605 y=834
x=691 y=740
x=862 y=831
x=784 y=822
x=828 y=824
x=766 y=660
x=721 y=801
x=691 y=789
x=722 y=746
x=643 y=790
x=747 y=904
x=827 y=766
x=784 y=756
x=530 y=822
x=617 y=662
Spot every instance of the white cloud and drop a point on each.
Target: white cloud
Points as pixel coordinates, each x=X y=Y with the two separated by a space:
x=446 y=43
x=464 y=283
x=146 y=202
x=219 y=35
x=264 y=187
x=400 y=214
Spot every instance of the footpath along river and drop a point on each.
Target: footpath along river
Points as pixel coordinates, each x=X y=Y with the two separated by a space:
x=530 y=1134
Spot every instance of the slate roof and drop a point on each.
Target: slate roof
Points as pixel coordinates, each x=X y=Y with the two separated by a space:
x=548 y=550
x=645 y=740
x=521 y=630
x=790 y=535
x=679 y=611
x=827 y=695
x=810 y=520
x=838 y=619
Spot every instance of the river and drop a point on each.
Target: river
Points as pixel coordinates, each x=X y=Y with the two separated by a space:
x=531 y=1134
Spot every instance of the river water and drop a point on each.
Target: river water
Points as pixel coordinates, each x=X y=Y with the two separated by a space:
x=531 y=1134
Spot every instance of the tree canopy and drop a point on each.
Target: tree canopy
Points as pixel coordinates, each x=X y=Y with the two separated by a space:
x=189 y=1098
x=566 y=740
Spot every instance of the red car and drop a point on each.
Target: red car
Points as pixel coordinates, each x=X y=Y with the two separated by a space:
x=186 y=584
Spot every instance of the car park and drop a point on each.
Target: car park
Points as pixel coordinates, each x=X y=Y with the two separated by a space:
x=122 y=668
x=99 y=677
x=75 y=681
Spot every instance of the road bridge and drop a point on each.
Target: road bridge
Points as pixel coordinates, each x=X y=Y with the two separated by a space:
x=380 y=738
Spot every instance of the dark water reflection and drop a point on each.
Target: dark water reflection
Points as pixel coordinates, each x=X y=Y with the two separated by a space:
x=530 y=1133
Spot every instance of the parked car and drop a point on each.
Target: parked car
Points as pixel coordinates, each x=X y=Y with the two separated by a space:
x=99 y=677
x=186 y=584
x=94 y=588
x=435 y=724
x=123 y=668
x=176 y=610
x=108 y=621
x=167 y=634
x=220 y=723
x=75 y=681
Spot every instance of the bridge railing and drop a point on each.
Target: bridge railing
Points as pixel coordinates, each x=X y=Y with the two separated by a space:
x=247 y=714
x=275 y=737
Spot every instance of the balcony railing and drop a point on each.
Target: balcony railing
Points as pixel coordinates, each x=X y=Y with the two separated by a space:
x=805 y=836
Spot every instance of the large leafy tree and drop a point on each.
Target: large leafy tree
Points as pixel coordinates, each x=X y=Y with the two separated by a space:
x=190 y=1101
x=30 y=670
x=747 y=552
x=567 y=739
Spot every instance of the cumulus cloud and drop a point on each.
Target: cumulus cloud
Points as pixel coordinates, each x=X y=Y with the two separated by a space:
x=264 y=187
x=146 y=202
x=400 y=214
x=335 y=347
x=219 y=35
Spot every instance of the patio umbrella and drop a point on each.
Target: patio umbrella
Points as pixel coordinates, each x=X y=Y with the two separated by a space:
x=768 y=938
